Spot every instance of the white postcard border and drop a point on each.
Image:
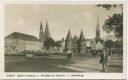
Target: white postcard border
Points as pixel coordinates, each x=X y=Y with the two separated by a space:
x=68 y=74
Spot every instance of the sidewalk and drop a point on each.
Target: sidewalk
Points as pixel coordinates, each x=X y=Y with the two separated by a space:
x=115 y=64
x=88 y=64
x=91 y=64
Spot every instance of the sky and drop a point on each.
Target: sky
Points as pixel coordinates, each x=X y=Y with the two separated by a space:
x=26 y=18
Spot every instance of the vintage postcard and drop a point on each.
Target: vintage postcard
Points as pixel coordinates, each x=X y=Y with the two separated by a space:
x=63 y=40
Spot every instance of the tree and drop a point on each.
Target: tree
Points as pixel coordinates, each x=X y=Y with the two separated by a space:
x=118 y=44
x=109 y=44
x=58 y=43
x=49 y=42
x=115 y=22
x=107 y=6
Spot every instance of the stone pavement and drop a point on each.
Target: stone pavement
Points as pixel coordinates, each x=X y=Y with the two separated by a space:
x=59 y=63
x=115 y=64
x=92 y=64
x=84 y=65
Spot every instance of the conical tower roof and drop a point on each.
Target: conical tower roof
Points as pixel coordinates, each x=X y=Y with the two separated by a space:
x=97 y=27
x=41 y=34
x=47 y=30
x=97 y=32
x=81 y=36
x=41 y=27
x=69 y=37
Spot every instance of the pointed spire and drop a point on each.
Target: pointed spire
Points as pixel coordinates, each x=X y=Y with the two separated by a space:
x=41 y=34
x=97 y=31
x=81 y=36
x=81 y=43
x=62 y=39
x=41 y=27
x=46 y=22
x=69 y=37
x=97 y=27
x=47 y=30
x=68 y=42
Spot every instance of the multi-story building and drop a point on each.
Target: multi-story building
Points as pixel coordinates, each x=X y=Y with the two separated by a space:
x=60 y=46
x=75 y=43
x=68 y=42
x=81 y=43
x=19 y=42
x=16 y=43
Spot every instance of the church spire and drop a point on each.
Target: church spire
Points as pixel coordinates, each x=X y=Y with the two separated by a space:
x=47 y=30
x=97 y=27
x=41 y=34
x=41 y=28
x=97 y=31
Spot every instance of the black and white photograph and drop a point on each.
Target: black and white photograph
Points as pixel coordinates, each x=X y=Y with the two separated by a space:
x=63 y=38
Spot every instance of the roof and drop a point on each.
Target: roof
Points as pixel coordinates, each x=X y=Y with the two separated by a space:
x=90 y=40
x=75 y=38
x=21 y=36
x=81 y=36
x=69 y=37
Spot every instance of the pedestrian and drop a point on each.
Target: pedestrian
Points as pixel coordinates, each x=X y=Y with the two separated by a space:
x=93 y=49
x=108 y=56
x=69 y=56
x=109 y=52
x=102 y=60
x=105 y=52
x=93 y=53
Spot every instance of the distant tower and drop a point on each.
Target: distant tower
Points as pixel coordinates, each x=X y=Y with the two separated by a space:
x=41 y=34
x=97 y=33
x=75 y=43
x=81 y=43
x=68 y=42
x=47 y=34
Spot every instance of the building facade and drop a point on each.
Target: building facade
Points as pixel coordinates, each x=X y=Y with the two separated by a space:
x=68 y=42
x=75 y=44
x=81 y=43
x=17 y=43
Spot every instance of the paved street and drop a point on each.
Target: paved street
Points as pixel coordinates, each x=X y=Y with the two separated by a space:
x=92 y=64
x=115 y=64
x=59 y=63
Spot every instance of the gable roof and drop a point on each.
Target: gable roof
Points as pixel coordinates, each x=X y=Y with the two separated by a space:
x=21 y=36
